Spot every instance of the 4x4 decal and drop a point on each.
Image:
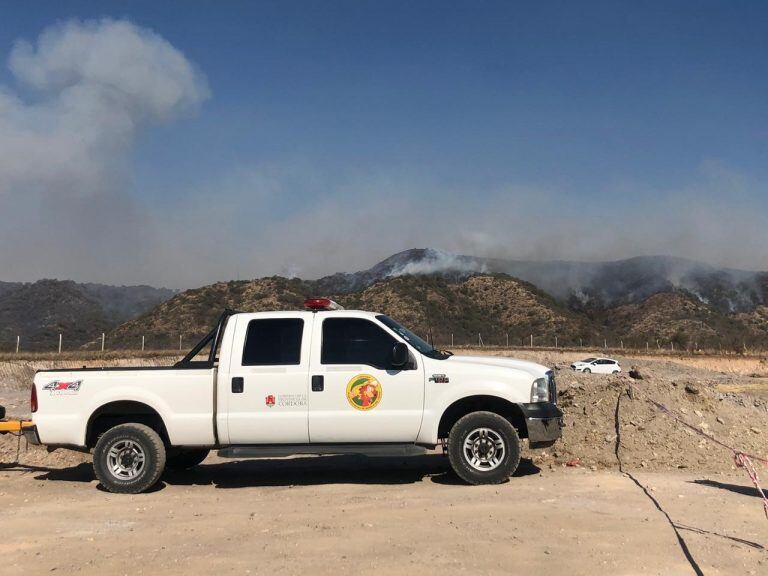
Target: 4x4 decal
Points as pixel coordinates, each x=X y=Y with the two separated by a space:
x=59 y=387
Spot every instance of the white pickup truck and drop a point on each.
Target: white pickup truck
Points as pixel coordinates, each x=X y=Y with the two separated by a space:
x=324 y=380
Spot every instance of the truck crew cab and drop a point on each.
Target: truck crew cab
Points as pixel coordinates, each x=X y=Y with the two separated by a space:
x=324 y=380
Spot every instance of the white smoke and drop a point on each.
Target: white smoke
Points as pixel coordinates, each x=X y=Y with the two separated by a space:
x=92 y=87
x=436 y=261
x=84 y=94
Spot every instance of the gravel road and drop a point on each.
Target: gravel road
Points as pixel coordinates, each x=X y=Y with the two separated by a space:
x=355 y=515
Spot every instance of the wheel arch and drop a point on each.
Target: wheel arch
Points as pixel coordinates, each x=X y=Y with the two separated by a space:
x=482 y=403
x=117 y=412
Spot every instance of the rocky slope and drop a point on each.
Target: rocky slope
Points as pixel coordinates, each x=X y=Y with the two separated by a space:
x=493 y=306
x=192 y=313
x=656 y=300
x=581 y=284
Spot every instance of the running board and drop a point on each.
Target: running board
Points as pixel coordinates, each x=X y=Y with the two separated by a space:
x=283 y=450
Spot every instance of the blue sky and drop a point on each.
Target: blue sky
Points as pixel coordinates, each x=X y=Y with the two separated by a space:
x=521 y=130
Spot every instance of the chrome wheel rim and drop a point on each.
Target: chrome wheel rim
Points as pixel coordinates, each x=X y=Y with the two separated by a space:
x=126 y=459
x=484 y=449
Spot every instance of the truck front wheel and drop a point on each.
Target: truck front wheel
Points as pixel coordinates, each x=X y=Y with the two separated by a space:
x=483 y=448
x=129 y=458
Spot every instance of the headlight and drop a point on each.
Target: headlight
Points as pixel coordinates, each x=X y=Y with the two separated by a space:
x=540 y=390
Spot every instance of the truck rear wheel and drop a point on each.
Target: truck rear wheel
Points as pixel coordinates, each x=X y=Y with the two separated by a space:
x=184 y=459
x=129 y=458
x=483 y=448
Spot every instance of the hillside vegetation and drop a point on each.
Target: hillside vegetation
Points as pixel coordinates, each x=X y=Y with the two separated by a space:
x=638 y=302
x=38 y=312
x=497 y=307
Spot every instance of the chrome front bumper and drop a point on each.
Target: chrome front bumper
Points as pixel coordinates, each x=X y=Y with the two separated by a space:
x=544 y=421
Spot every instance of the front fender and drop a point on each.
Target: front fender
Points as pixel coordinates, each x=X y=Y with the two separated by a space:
x=439 y=399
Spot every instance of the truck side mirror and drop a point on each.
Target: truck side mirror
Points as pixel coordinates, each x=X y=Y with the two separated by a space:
x=399 y=355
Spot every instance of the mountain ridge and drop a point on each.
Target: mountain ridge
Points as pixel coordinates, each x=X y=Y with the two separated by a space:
x=637 y=300
x=591 y=283
x=37 y=312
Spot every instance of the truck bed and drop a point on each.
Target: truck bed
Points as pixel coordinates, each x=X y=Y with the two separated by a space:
x=183 y=397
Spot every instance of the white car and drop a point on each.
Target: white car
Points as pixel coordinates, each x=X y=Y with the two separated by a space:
x=324 y=380
x=597 y=365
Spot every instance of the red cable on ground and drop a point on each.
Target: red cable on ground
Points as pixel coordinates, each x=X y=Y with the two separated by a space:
x=741 y=459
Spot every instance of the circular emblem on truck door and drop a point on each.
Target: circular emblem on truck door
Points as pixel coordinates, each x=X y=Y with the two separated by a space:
x=364 y=392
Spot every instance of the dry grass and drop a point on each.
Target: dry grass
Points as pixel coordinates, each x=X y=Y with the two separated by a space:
x=83 y=355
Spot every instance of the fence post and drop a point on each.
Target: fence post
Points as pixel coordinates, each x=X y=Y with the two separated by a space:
x=179 y=342
x=451 y=339
x=142 y=343
x=507 y=339
x=102 y=341
x=622 y=344
x=17 y=343
x=59 y=343
x=605 y=342
x=531 y=340
x=581 y=343
x=555 y=341
x=646 y=347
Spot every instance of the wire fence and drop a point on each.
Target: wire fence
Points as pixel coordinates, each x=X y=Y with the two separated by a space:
x=493 y=339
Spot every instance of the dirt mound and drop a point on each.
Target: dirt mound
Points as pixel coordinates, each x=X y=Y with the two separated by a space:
x=15 y=450
x=649 y=439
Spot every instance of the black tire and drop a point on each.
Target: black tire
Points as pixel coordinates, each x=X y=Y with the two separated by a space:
x=130 y=442
x=184 y=459
x=587 y=371
x=502 y=429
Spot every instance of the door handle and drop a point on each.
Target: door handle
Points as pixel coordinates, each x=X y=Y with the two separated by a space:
x=237 y=385
x=318 y=383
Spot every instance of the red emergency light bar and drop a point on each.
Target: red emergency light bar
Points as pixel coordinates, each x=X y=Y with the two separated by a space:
x=321 y=304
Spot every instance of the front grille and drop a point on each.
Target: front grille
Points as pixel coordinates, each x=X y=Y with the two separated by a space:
x=552 y=387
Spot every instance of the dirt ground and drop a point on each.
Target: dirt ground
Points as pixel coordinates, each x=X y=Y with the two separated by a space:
x=353 y=515
x=568 y=509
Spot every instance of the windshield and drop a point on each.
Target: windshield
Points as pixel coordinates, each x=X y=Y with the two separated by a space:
x=421 y=345
x=589 y=360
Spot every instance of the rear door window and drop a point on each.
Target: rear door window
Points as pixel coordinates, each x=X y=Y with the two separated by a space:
x=273 y=342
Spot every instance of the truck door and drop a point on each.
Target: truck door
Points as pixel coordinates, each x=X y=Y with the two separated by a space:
x=355 y=394
x=268 y=379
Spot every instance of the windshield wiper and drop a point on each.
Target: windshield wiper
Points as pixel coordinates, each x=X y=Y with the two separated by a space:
x=439 y=354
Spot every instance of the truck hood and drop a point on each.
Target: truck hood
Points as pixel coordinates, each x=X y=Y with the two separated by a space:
x=532 y=368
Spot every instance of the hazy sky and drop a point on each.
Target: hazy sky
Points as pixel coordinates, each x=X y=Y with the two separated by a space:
x=182 y=143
